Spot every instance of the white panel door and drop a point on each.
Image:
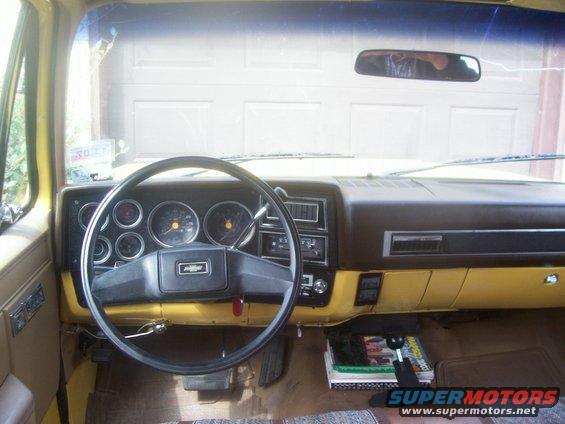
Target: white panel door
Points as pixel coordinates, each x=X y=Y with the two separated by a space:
x=225 y=79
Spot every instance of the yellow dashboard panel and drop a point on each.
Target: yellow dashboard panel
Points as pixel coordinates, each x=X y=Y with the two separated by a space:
x=401 y=292
x=512 y=288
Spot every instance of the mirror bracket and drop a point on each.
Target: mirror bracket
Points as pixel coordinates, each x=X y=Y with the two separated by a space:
x=9 y=214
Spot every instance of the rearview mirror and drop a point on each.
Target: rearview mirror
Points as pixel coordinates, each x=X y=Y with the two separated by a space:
x=434 y=66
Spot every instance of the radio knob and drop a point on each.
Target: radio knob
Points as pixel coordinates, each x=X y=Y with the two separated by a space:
x=320 y=286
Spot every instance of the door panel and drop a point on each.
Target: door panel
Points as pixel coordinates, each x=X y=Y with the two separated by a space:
x=33 y=353
x=29 y=322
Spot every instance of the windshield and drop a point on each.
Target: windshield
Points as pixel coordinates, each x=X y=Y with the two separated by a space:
x=254 y=80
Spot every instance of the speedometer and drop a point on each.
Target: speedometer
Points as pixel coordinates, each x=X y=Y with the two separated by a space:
x=225 y=222
x=173 y=223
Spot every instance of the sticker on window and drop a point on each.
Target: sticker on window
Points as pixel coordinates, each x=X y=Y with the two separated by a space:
x=91 y=162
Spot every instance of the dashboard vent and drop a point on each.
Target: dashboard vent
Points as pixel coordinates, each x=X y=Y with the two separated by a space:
x=415 y=244
x=378 y=182
x=300 y=211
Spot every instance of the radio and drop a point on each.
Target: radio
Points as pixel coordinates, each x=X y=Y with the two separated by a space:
x=313 y=247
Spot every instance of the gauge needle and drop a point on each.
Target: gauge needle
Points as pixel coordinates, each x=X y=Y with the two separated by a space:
x=174 y=226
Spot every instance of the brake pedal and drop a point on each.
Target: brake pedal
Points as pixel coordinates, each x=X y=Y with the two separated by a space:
x=220 y=380
x=272 y=366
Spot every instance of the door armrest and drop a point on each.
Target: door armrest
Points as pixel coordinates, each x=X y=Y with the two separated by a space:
x=16 y=402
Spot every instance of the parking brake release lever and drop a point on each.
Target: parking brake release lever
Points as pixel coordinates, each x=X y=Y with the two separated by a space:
x=403 y=370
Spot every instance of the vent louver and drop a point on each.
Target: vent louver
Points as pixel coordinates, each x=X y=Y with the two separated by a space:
x=300 y=211
x=415 y=244
x=307 y=212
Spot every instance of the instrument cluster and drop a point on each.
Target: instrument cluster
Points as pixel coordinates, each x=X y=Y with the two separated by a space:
x=168 y=214
x=170 y=223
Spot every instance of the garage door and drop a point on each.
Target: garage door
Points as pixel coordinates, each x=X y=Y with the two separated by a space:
x=228 y=79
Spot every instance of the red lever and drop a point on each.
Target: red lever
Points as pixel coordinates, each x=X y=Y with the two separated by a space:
x=237 y=306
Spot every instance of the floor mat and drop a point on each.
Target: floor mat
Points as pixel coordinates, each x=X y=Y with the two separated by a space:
x=365 y=416
x=529 y=367
x=555 y=415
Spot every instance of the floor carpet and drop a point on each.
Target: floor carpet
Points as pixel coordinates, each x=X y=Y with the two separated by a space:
x=127 y=392
x=522 y=368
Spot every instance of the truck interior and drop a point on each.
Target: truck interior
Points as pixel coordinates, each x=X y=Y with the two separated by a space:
x=203 y=201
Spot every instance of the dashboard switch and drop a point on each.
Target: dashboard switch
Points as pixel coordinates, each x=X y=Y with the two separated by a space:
x=306 y=292
x=18 y=320
x=307 y=280
x=368 y=289
x=34 y=301
x=370 y=282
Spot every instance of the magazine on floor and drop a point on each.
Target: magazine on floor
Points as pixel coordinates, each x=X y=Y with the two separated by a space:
x=366 y=363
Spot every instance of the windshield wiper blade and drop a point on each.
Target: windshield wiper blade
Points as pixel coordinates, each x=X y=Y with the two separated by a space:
x=298 y=155
x=478 y=161
x=237 y=159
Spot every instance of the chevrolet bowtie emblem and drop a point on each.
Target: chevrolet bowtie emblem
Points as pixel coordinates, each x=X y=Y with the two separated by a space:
x=191 y=268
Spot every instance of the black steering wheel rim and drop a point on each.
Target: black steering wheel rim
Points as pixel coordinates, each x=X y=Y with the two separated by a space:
x=196 y=367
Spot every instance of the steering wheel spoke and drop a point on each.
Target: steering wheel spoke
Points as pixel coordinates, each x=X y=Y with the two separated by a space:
x=253 y=276
x=133 y=282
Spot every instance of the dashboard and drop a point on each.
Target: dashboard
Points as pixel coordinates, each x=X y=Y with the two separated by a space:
x=370 y=245
x=163 y=215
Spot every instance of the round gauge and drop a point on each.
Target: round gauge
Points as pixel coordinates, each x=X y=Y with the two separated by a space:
x=86 y=213
x=173 y=224
x=127 y=213
x=225 y=222
x=129 y=246
x=102 y=250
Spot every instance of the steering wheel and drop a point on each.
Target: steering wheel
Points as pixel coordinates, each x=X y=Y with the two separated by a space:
x=194 y=272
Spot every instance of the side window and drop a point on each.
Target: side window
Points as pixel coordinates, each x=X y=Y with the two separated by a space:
x=9 y=12
x=17 y=117
x=16 y=178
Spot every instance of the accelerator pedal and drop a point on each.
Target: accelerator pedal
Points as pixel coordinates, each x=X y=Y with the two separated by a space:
x=215 y=381
x=272 y=366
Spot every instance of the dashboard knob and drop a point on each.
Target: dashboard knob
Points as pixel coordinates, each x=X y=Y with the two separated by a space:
x=320 y=286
